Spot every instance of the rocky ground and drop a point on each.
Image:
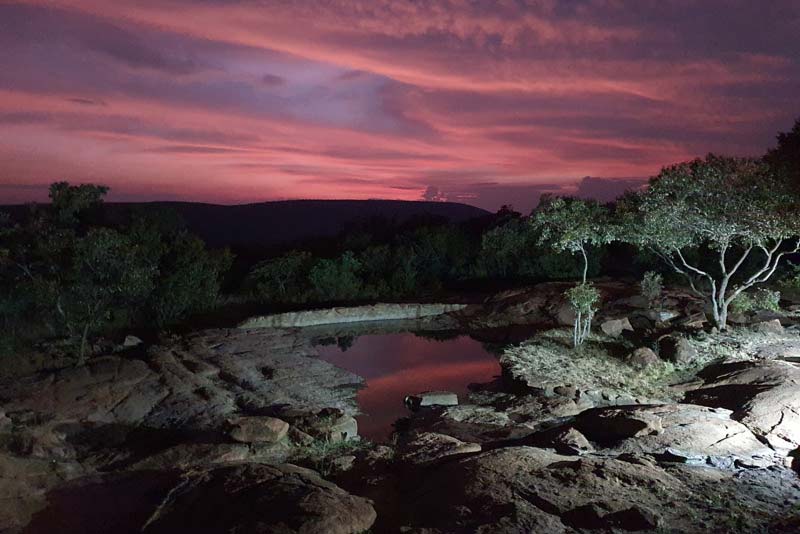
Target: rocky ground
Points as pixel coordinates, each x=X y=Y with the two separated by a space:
x=657 y=424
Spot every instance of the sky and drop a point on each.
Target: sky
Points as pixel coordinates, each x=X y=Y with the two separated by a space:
x=482 y=102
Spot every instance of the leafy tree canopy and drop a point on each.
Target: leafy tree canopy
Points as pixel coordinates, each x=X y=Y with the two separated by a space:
x=572 y=224
x=733 y=206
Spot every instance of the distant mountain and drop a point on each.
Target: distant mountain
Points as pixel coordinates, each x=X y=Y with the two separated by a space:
x=275 y=223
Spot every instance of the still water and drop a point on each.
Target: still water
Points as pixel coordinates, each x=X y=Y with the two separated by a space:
x=396 y=365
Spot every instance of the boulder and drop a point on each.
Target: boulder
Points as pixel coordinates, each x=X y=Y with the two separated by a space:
x=131 y=341
x=642 y=357
x=680 y=432
x=328 y=424
x=194 y=455
x=661 y=316
x=764 y=395
x=769 y=327
x=615 y=327
x=258 y=429
x=529 y=489
x=431 y=398
x=617 y=423
x=564 y=440
x=676 y=349
x=429 y=447
x=246 y=497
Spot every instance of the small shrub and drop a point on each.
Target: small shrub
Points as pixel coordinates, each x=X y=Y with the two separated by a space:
x=651 y=286
x=583 y=298
x=791 y=280
x=762 y=299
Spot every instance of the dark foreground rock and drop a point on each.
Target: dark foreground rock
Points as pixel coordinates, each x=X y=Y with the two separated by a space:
x=236 y=498
x=527 y=489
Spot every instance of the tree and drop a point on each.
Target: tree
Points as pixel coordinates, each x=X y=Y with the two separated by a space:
x=738 y=209
x=583 y=298
x=68 y=201
x=336 y=279
x=282 y=279
x=573 y=225
x=785 y=158
x=189 y=279
x=111 y=273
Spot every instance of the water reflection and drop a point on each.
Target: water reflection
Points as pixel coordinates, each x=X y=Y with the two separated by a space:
x=395 y=365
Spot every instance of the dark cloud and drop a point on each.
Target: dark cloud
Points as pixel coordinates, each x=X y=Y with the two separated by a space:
x=273 y=80
x=87 y=101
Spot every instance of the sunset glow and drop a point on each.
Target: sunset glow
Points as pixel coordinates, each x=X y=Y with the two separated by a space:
x=479 y=102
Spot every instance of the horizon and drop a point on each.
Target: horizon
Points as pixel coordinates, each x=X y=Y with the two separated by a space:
x=176 y=101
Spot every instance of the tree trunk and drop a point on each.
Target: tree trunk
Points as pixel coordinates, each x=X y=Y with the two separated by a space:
x=585 y=264
x=81 y=356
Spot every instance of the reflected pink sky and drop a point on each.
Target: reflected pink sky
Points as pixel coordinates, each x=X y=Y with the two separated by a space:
x=479 y=102
x=396 y=365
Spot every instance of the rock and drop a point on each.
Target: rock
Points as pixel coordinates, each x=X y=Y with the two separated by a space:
x=257 y=498
x=564 y=314
x=764 y=395
x=617 y=423
x=528 y=489
x=634 y=301
x=328 y=424
x=299 y=437
x=634 y=518
x=687 y=432
x=478 y=415
x=615 y=327
x=380 y=453
x=200 y=367
x=343 y=463
x=642 y=357
x=354 y=314
x=194 y=455
x=781 y=350
x=131 y=341
x=429 y=447
x=24 y=483
x=342 y=429
x=769 y=327
x=588 y=516
x=564 y=440
x=676 y=349
x=166 y=391
x=431 y=398
x=661 y=316
x=258 y=429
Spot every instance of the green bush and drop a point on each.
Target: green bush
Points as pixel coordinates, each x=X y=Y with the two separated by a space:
x=282 y=279
x=66 y=272
x=584 y=299
x=336 y=279
x=189 y=281
x=791 y=280
x=651 y=286
x=761 y=299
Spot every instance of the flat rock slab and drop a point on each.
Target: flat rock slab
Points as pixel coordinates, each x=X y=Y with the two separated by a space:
x=429 y=447
x=683 y=430
x=355 y=314
x=763 y=395
x=196 y=385
x=431 y=398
